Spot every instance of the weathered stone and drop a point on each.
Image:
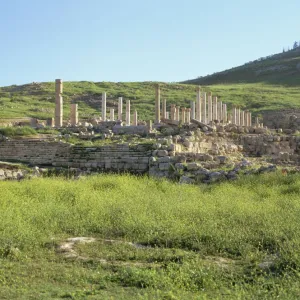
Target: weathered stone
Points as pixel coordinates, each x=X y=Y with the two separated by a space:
x=186 y=180
x=192 y=166
x=161 y=153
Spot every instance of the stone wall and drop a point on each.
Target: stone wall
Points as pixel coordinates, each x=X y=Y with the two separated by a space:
x=114 y=157
x=286 y=119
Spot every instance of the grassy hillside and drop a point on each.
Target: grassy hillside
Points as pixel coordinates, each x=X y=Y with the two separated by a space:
x=37 y=100
x=227 y=241
x=279 y=69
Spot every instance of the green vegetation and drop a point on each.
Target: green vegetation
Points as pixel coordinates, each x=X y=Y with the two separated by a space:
x=17 y=131
x=281 y=69
x=37 y=101
x=229 y=241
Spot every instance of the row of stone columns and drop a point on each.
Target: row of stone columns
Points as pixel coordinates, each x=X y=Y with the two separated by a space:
x=241 y=118
x=205 y=109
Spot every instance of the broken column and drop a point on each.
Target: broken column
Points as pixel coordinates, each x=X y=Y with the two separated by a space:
x=112 y=114
x=135 y=118
x=167 y=115
x=120 y=108
x=58 y=103
x=193 y=109
x=238 y=116
x=104 y=106
x=209 y=110
x=74 y=114
x=128 y=113
x=157 y=104
x=198 y=104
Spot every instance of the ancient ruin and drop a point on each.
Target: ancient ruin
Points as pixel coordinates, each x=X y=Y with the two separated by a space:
x=190 y=143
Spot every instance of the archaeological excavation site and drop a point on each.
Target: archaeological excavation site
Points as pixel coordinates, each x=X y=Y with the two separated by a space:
x=207 y=141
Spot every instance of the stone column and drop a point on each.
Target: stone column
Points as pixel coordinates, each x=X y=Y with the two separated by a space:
x=238 y=116
x=112 y=114
x=247 y=118
x=58 y=103
x=157 y=104
x=173 y=112
x=234 y=116
x=215 y=108
x=120 y=108
x=204 y=113
x=220 y=112
x=193 y=110
x=167 y=115
x=225 y=119
x=128 y=113
x=164 y=108
x=178 y=113
x=209 y=101
x=188 y=116
x=183 y=109
x=104 y=107
x=256 y=122
x=198 y=105
x=250 y=119
x=242 y=118
x=135 y=118
x=74 y=114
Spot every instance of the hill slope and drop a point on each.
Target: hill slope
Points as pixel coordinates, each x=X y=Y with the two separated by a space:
x=282 y=68
x=37 y=99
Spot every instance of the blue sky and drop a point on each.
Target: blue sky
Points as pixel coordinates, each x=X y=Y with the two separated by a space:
x=138 y=40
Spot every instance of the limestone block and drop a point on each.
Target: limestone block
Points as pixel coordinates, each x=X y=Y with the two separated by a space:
x=161 y=153
x=192 y=166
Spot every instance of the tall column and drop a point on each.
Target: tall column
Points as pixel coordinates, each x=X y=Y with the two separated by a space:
x=219 y=112
x=242 y=118
x=247 y=118
x=173 y=112
x=112 y=114
x=204 y=113
x=128 y=113
x=238 y=117
x=135 y=118
x=74 y=114
x=198 y=104
x=178 y=113
x=120 y=108
x=209 y=100
x=183 y=115
x=164 y=108
x=104 y=106
x=225 y=113
x=58 y=103
x=234 y=116
x=157 y=104
x=193 y=111
x=215 y=108
x=188 y=116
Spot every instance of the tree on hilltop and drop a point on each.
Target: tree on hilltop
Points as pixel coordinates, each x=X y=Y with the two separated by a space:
x=295 y=45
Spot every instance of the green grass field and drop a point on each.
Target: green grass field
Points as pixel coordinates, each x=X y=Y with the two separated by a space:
x=229 y=241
